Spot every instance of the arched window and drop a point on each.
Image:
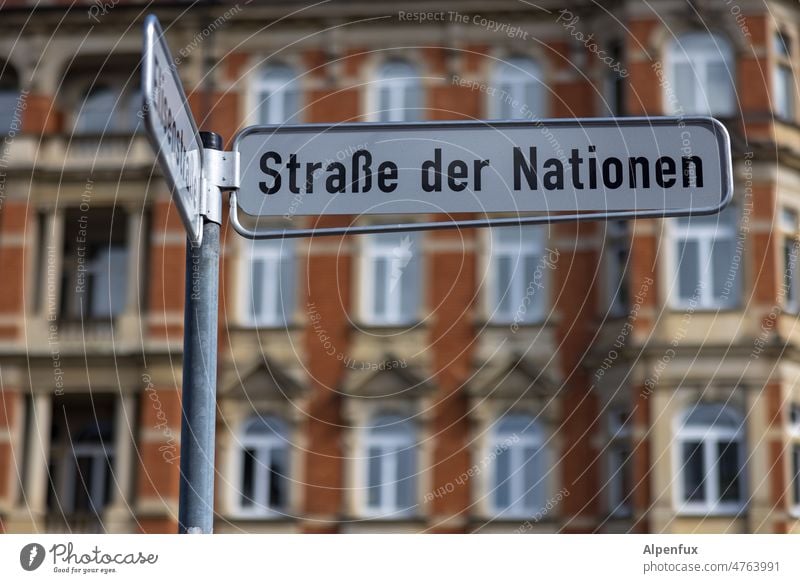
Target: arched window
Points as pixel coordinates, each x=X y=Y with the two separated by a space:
x=397 y=93
x=520 y=467
x=391 y=466
x=710 y=447
x=264 y=468
x=9 y=94
x=96 y=111
x=517 y=90
x=278 y=95
x=701 y=75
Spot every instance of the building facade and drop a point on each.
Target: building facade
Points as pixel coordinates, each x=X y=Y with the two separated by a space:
x=634 y=376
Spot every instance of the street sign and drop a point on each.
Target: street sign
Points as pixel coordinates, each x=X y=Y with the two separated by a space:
x=171 y=128
x=624 y=167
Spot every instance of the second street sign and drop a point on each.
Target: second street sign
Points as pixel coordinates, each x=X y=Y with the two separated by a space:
x=631 y=165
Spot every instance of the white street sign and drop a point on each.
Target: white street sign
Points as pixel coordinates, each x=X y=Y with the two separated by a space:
x=171 y=128
x=616 y=167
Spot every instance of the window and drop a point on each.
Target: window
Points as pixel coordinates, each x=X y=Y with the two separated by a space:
x=268 y=282
x=520 y=467
x=81 y=459
x=518 y=274
x=619 y=467
x=9 y=94
x=704 y=253
x=794 y=436
x=396 y=93
x=701 y=75
x=96 y=111
x=616 y=254
x=783 y=79
x=391 y=466
x=391 y=278
x=278 y=95
x=794 y=420
x=791 y=241
x=104 y=109
x=95 y=266
x=710 y=472
x=264 y=467
x=518 y=90
x=614 y=81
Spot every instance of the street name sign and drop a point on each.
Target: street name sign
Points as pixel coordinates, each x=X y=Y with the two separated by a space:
x=171 y=128
x=614 y=168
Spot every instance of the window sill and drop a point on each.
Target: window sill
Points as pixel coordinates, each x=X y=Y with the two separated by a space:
x=725 y=512
x=271 y=327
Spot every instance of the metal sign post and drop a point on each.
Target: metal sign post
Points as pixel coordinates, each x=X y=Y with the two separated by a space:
x=195 y=169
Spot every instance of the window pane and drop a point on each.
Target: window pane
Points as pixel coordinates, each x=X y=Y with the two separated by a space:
x=248 y=477
x=374 y=461
x=688 y=268
x=503 y=265
x=407 y=261
x=405 y=478
x=784 y=94
x=534 y=478
x=694 y=487
x=728 y=471
x=109 y=282
x=285 y=300
x=534 y=277
x=380 y=289
x=721 y=260
x=685 y=83
x=719 y=89
x=257 y=274
x=278 y=477
x=502 y=481
x=789 y=273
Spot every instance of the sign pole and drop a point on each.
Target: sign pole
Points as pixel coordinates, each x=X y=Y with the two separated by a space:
x=198 y=403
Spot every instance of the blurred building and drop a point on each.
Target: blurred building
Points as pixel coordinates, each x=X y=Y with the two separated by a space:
x=617 y=377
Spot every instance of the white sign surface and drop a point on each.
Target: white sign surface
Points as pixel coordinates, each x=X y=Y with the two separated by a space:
x=171 y=128
x=631 y=165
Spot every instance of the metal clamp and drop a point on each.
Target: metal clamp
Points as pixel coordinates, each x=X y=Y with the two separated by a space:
x=220 y=172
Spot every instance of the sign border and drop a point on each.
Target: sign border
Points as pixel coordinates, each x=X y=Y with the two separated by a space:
x=719 y=129
x=153 y=33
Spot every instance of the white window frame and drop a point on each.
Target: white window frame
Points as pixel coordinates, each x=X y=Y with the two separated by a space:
x=618 y=236
x=390 y=443
x=273 y=253
x=709 y=437
x=386 y=78
x=719 y=50
x=272 y=85
x=619 y=441
x=531 y=242
x=502 y=440
x=373 y=249
x=705 y=234
x=263 y=444
x=510 y=82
